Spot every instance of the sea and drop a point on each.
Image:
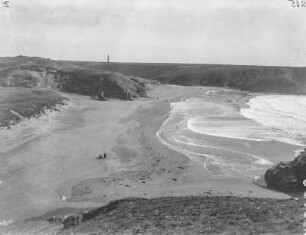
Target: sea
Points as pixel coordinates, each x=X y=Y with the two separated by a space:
x=230 y=140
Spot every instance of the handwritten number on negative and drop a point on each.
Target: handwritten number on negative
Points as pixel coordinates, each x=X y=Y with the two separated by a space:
x=298 y=3
x=6 y=3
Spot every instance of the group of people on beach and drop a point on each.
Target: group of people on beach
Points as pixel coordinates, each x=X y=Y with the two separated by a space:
x=102 y=156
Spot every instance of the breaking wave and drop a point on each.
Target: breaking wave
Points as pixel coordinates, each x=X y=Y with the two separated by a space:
x=268 y=118
x=285 y=115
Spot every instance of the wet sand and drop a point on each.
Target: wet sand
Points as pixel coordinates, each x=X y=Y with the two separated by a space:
x=58 y=168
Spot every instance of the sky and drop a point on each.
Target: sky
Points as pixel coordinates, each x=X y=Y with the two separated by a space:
x=258 y=32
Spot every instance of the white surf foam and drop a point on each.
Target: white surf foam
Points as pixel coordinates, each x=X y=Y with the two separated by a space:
x=284 y=114
x=262 y=121
x=258 y=160
x=269 y=118
x=223 y=127
x=219 y=165
x=217 y=160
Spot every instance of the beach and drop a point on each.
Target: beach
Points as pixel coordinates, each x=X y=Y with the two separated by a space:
x=55 y=171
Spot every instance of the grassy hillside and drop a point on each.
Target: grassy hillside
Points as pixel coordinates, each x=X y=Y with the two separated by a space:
x=32 y=72
x=123 y=80
x=16 y=103
x=251 y=78
x=193 y=215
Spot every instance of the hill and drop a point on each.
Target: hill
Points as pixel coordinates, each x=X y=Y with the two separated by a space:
x=193 y=215
x=243 y=77
x=17 y=103
x=34 y=72
x=127 y=80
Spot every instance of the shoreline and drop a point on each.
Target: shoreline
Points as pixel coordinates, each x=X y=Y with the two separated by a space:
x=139 y=165
x=163 y=167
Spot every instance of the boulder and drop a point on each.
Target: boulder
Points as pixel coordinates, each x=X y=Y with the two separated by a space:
x=288 y=176
x=73 y=220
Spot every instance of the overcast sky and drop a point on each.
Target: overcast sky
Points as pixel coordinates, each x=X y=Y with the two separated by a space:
x=263 y=32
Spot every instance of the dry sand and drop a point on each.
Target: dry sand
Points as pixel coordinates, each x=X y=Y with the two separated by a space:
x=59 y=169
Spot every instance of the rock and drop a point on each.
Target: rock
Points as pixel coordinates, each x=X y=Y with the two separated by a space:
x=72 y=220
x=77 y=218
x=288 y=176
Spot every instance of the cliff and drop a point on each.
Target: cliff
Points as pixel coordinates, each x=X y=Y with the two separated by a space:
x=243 y=77
x=29 y=72
x=128 y=80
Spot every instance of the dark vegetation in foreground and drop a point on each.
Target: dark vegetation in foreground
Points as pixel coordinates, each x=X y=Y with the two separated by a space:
x=193 y=215
x=18 y=103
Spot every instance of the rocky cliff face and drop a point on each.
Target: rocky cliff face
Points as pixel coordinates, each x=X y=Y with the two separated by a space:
x=288 y=176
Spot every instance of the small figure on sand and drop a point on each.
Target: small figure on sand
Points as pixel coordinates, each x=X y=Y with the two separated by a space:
x=102 y=156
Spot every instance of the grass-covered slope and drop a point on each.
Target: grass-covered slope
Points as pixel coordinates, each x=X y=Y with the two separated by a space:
x=89 y=82
x=122 y=80
x=194 y=215
x=244 y=77
x=18 y=103
x=32 y=72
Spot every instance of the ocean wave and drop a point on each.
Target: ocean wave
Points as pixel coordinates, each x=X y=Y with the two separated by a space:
x=266 y=119
x=222 y=164
x=285 y=115
x=243 y=155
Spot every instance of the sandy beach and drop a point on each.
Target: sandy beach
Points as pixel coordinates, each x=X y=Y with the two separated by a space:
x=152 y=117
x=57 y=168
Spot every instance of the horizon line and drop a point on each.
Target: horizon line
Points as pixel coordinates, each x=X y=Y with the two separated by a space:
x=170 y=63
